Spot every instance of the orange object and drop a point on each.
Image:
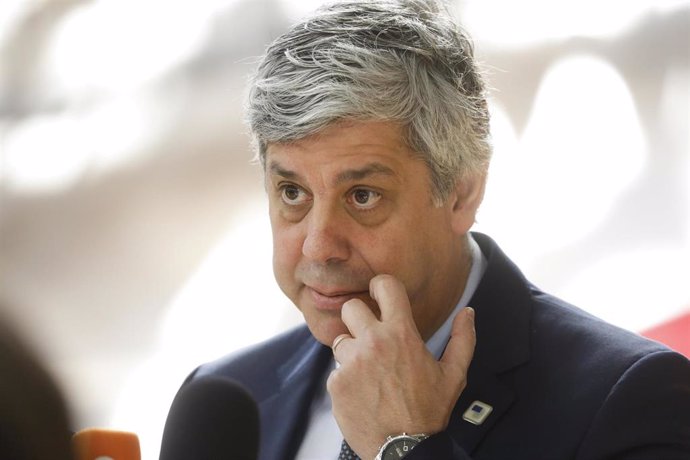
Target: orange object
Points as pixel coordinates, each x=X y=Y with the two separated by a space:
x=103 y=444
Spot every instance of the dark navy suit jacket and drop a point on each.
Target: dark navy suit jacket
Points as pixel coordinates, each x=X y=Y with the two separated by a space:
x=562 y=384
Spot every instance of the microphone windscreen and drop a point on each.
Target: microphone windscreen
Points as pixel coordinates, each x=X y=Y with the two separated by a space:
x=211 y=418
x=102 y=444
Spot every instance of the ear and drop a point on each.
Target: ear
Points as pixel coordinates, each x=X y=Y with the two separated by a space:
x=465 y=200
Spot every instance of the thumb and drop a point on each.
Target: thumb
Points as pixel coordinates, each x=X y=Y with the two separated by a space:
x=458 y=354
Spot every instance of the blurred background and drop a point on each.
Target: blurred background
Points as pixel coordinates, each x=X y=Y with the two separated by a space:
x=134 y=242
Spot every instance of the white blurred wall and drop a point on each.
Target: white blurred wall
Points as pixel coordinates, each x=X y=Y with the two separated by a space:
x=133 y=238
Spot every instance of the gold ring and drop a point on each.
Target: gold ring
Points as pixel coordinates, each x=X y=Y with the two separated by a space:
x=339 y=339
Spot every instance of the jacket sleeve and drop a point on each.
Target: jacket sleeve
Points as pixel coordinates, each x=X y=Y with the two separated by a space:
x=438 y=447
x=646 y=415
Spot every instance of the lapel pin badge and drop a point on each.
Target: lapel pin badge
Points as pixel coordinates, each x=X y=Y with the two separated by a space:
x=477 y=412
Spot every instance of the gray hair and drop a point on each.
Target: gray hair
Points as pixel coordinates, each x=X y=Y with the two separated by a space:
x=404 y=61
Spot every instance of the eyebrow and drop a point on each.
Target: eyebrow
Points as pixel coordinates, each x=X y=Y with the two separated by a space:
x=277 y=170
x=349 y=175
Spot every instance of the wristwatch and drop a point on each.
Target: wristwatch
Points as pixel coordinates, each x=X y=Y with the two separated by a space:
x=399 y=446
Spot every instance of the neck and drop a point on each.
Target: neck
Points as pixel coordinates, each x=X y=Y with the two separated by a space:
x=450 y=290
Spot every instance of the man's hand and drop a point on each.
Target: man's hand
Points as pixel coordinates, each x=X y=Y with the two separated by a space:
x=388 y=382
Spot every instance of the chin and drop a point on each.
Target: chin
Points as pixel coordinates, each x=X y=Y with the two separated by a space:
x=325 y=330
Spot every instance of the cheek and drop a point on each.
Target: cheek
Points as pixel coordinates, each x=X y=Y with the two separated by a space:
x=383 y=251
x=287 y=249
x=405 y=251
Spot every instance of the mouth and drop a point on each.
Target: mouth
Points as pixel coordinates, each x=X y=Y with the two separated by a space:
x=333 y=300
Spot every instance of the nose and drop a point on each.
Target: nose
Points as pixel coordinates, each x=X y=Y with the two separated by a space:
x=326 y=239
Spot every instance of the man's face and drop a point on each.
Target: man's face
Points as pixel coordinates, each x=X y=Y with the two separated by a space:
x=353 y=202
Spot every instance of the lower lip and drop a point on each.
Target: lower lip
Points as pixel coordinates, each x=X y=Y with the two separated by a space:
x=331 y=303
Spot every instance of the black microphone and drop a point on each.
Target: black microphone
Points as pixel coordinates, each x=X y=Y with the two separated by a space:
x=211 y=418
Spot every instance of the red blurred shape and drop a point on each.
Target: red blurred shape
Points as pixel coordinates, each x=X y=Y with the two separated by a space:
x=675 y=333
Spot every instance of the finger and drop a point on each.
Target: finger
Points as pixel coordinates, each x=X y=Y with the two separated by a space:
x=460 y=349
x=337 y=346
x=343 y=347
x=339 y=339
x=357 y=316
x=391 y=296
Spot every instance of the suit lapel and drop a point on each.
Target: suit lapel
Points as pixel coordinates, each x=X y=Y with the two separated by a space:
x=503 y=305
x=482 y=386
x=285 y=413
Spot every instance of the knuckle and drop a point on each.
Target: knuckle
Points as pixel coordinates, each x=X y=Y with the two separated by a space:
x=384 y=281
x=346 y=309
x=404 y=333
x=377 y=344
x=351 y=306
x=334 y=382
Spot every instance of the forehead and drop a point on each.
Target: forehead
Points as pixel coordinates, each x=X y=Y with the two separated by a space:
x=366 y=147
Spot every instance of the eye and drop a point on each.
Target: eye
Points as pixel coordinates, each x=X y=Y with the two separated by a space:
x=364 y=199
x=293 y=195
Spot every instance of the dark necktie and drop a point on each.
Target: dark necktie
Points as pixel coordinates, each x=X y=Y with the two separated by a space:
x=346 y=453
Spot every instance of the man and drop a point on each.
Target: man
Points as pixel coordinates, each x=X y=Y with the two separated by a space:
x=34 y=420
x=371 y=123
